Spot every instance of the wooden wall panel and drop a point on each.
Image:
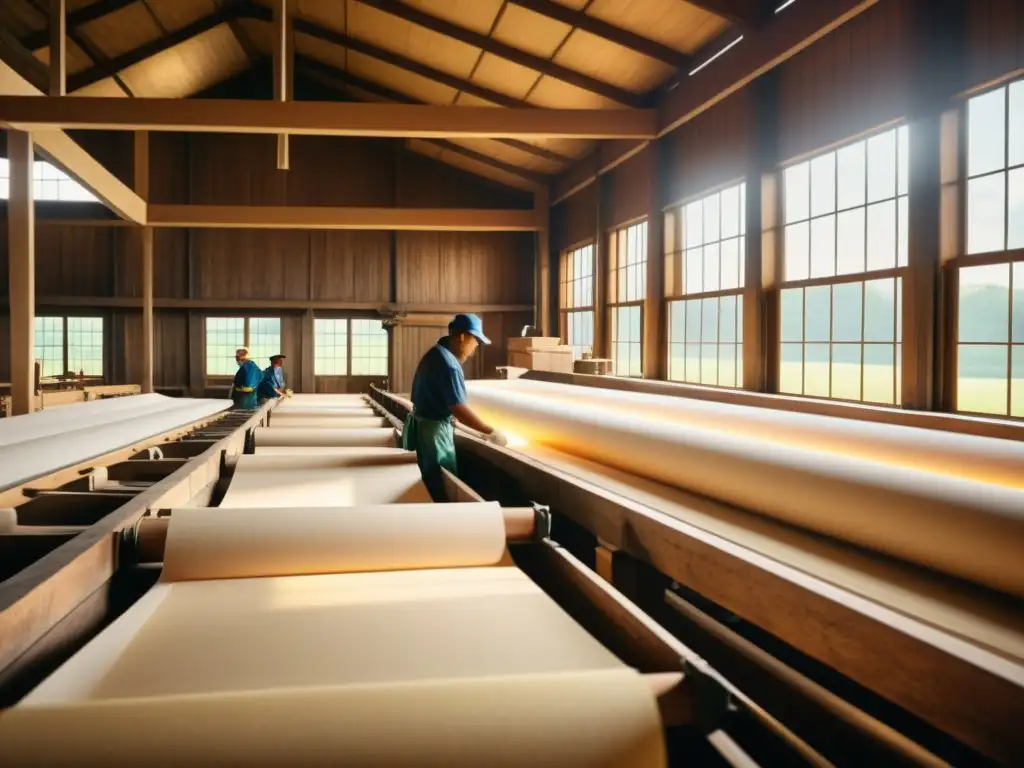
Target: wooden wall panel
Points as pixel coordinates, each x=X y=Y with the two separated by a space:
x=169 y=167
x=410 y=344
x=855 y=79
x=350 y=266
x=995 y=45
x=251 y=264
x=79 y=261
x=5 y=345
x=426 y=183
x=574 y=220
x=464 y=267
x=710 y=150
x=170 y=265
x=170 y=349
x=628 y=190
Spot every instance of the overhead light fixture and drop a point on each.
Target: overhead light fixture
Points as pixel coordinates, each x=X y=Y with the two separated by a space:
x=785 y=5
x=724 y=50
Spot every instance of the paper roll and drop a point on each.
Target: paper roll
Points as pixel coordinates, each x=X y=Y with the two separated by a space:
x=236 y=543
x=326 y=422
x=968 y=456
x=572 y=720
x=285 y=450
x=311 y=436
x=325 y=481
x=306 y=411
x=965 y=528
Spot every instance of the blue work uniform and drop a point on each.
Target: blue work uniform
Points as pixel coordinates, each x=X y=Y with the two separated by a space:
x=438 y=386
x=243 y=389
x=273 y=380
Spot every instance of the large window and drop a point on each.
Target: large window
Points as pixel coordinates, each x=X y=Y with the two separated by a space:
x=350 y=346
x=260 y=335
x=706 y=254
x=990 y=322
x=369 y=348
x=48 y=183
x=627 y=289
x=846 y=214
x=576 y=299
x=69 y=345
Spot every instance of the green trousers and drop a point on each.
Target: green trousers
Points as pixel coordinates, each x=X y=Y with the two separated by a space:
x=434 y=443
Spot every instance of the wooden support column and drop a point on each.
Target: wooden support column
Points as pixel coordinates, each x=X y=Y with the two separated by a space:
x=144 y=244
x=58 y=48
x=282 y=72
x=655 y=349
x=21 y=259
x=602 y=334
x=762 y=272
x=307 y=374
x=542 y=268
x=938 y=48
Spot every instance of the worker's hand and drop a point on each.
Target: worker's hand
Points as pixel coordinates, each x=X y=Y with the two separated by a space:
x=497 y=437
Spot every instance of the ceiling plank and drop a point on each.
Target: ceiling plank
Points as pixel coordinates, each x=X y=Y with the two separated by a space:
x=344 y=217
x=78 y=18
x=113 y=66
x=318 y=69
x=634 y=42
x=505 y=51
x=533 y=177
x=323 y=118
x=742 y=13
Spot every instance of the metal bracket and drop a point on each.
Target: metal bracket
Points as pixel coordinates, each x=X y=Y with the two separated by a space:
x=714 y=702
x=541 y=522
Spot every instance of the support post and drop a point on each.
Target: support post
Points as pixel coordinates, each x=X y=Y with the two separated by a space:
x=21 y=256
x=58 y=48
x=602 y=336
x=655 y=347
x=542 y=311
x=146 y=237
x=762 y=265
x=282 y=73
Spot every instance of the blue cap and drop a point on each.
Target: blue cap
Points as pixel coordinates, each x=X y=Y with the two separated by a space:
x=469 y=324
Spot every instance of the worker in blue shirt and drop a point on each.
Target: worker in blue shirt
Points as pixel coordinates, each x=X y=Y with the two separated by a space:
x=247 y=378
x=271 y=386
x=438 y=398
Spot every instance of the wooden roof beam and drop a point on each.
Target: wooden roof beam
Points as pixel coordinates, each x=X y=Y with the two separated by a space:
x=505 y=51
x=110 y=68
x=742 y=13
x=91 y=12
x=322 y=118
x=343 y=217
x=325 y=72
x=634 y=42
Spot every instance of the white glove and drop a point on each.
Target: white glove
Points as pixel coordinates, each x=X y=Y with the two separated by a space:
x=497 y=437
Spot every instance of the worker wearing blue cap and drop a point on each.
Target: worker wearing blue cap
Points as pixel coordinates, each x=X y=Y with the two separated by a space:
x=438 y=398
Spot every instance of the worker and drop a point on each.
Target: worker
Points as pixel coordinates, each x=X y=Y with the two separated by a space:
x=439 y=398
x=247 y=378
x=271 y=386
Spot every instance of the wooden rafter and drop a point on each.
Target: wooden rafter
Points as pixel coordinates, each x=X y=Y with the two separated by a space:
x=77 y=19
x=505 y=51
x=743 y=13
x=110 y=68
x=323 y=118
x=610 y=32
x=337 y=77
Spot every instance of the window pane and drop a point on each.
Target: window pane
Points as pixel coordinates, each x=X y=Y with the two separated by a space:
x=846 y=371
x=793 y=314
x=846 y=319
x=816 y=370
x=1017 y=382
x=712 y=219
x=882 y=235
x=369 y=347
x=730 y=201
x=727 y=365
x=727 y=318
x=791 y=374
x=984 y=304
x=1016 y=210
x=986 y=132
x=851 y=165
x=982 y=379
x=330 y=352
x=903 y=231
x=797 y=251
x=223 y=336
x=823 y=246
x=1017 y=123
x=730 y=260
x=693 y=319
x=676 y=322
x=850 y=236
x=711 y=267
x=986 y=214
x=904 y=160
x=880 y=379
x=694 y=270
x=693 y=363
x=882 y=166
x=709 y=323
x=818 y=306
x=694 y=225
x=823 y=184
x=1018 y=302
x=797 y=193
x=880 y=310
x=709 y=364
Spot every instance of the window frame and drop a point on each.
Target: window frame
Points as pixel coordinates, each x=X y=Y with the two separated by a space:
x=66 y=343
x=347 y=319
x=246 y=339
x=964 y=260
x=675 y=278
x=896 y=273
x=613 y=269
x=567 y=309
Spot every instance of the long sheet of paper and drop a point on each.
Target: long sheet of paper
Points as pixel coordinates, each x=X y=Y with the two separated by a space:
x=324 y=401
x=285 y=450
x=236 y=543
x=197 y=637
x=326 y=438
x=325 y=481
x=571 y=720
x=965 y=528
x=305 y=411
x=327 y=421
